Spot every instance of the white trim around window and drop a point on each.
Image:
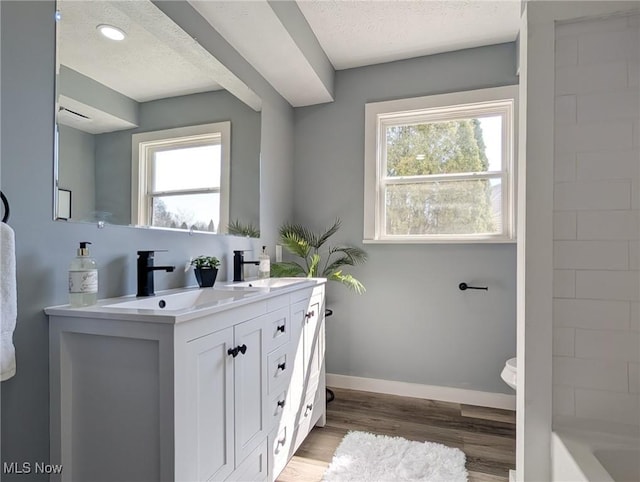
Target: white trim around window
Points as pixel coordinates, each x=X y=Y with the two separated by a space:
x=500 y=101
x=144 y=143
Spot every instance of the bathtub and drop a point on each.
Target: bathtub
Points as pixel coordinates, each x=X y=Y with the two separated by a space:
x=589 y=456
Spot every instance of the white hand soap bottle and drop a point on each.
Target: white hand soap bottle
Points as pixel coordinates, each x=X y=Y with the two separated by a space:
x=264 y=266
x=83 y=278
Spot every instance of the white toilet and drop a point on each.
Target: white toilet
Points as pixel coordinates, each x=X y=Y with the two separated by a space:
x=510 y=372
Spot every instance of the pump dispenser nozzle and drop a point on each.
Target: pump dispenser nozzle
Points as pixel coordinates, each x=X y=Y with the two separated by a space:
x=83 y=250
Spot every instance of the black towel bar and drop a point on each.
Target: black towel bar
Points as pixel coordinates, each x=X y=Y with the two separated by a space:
x=465 y=286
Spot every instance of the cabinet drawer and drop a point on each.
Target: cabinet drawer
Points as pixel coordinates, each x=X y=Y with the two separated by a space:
x=254 y=467
x=277 y=303
x=279 y=369
x=278 y=329
x=280 y=449
x=309 y=414
x=279 y=408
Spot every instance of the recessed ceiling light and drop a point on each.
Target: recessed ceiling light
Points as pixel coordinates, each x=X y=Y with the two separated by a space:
x=111 y=32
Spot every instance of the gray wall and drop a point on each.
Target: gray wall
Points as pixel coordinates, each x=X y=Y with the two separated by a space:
x=92 y=93
x=78 y=171
x=113 y=151
x=44 y=247
x=412 y=324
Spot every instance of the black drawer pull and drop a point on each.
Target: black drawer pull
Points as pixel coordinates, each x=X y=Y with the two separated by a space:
x=282 y=366
x=281 y=403
x=308 y=409
x=242 y=349
x=280 y=328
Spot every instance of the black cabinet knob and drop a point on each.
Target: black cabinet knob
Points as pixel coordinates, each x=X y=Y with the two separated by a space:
x=280 y=328
x=238 y=349
x=281 y=403
x=282 y=366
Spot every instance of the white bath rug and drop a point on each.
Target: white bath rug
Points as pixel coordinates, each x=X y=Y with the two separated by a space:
x=379 y=458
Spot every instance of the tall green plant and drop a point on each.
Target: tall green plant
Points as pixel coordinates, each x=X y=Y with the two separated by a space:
x=239 y=229
x=316 y=259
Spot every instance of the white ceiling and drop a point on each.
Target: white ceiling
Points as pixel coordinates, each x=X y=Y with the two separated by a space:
x=165 y=61
x=352 y=33
x=156 y=60
x=358 y=33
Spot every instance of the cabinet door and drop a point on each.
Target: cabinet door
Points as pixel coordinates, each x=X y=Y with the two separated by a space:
x=210 y=407
x=250 y=375
x=309 y=315
x=313 y=341
x=298 y=379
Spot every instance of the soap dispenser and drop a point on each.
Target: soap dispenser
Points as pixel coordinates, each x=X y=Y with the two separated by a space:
x=264 y=266
x=83 y=278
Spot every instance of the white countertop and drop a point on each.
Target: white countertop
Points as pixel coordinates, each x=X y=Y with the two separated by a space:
x=102 y=310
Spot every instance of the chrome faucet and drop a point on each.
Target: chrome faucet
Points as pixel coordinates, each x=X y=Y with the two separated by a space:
x=238 y=265
x=145 y=272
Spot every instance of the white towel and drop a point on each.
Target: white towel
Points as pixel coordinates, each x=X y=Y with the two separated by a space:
x=8 y=302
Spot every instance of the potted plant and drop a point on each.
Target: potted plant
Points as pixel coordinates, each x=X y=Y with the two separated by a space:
x=309 y=246
x=237 y=228
x=206 y=270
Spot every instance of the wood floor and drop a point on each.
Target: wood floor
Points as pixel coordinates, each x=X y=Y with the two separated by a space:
x=485 y=435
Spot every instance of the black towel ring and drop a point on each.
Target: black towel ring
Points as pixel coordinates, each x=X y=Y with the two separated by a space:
x=5 y=218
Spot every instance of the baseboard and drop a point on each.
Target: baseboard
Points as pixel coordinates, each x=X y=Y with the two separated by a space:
x=430 y=392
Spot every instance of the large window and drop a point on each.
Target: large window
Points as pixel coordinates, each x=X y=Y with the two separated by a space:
x=440 y=168
x=181 y=178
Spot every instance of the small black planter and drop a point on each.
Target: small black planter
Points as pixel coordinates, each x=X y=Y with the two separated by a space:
x=206 y=276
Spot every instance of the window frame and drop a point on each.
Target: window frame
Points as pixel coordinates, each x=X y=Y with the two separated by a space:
x=142 y=148
x=438 y=108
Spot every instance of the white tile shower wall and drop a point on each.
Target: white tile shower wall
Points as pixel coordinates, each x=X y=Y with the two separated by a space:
x=617 y=407
x=596 y=220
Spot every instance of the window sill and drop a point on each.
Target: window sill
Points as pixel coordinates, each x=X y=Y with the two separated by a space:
x=441 y=241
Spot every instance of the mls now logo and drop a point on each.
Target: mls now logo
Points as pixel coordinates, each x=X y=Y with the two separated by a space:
x=29 y=468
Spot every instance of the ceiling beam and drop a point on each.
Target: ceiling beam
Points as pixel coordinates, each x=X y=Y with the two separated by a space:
x=279 y=45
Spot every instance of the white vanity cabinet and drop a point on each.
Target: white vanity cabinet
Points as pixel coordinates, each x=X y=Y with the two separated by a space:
x=164 y=397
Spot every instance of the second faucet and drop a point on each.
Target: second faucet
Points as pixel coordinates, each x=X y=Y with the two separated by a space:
x=238 y=265
x=145 y=272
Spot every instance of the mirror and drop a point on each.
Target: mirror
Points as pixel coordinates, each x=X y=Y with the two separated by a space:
x=146 y=134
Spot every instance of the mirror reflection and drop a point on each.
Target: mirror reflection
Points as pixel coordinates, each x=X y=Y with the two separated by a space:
x=146 y=136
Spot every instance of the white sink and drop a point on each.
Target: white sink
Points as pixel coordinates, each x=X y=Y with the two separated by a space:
x=184 y=300
x=268 y=283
